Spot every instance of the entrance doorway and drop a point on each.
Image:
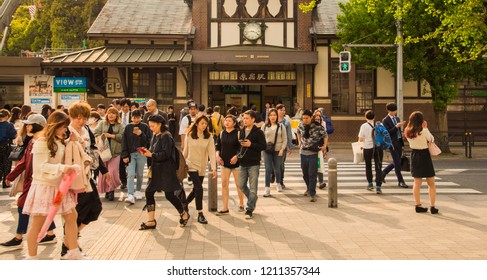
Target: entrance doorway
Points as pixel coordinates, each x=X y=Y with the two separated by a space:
x=248 y=95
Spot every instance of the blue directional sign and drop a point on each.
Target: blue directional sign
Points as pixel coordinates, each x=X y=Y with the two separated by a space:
x=70 y=84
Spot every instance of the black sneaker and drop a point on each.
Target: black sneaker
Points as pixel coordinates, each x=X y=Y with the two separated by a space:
x=48 y=239
x=248 y=214
x=64 y=250
x=12 y=243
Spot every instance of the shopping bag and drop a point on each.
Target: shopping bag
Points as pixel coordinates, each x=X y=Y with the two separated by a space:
x=106 y=154
x=358 y=152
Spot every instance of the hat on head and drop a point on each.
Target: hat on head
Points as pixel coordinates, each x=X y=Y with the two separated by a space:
x=191 y=104
x=157 y=118
x=36 y=119
x=307 y=112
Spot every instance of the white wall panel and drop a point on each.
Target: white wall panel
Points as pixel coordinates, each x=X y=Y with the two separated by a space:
x=274 y=34
x=230 y=34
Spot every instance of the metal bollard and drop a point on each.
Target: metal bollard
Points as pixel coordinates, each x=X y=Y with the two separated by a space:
x=332 y=183
x=212 y=192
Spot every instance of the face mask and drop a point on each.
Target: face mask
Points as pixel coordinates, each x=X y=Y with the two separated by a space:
x=91 y=121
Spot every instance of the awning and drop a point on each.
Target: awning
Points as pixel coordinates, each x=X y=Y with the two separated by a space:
x=254 y=55
x=121 y=56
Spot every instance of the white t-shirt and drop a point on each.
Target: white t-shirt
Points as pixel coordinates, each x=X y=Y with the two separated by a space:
x=366 y=133
x=184 y=124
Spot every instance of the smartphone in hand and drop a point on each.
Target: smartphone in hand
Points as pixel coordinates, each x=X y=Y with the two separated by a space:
x=141 y=150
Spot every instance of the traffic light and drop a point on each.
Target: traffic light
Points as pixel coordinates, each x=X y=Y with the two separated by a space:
x=345 y=62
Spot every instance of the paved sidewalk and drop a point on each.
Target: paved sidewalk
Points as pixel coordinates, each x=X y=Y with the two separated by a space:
x=288 y=226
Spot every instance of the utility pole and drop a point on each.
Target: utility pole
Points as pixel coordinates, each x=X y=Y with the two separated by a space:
x=399 y=75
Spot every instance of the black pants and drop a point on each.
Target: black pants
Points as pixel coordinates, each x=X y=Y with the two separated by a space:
x=5 y=163
x=89 y=205
x=123 y=172
x=170 y=196
x=396 y=152
x=377 y=155
x=197 y=191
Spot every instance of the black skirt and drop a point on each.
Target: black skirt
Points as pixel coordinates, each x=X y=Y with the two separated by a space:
x=421 y=164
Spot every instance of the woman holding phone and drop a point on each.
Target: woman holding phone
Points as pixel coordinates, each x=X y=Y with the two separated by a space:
x=162 y=170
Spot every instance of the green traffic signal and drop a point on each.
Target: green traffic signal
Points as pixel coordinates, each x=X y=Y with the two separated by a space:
x=344 y=67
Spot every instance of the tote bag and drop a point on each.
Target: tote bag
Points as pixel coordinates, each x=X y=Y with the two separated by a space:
x=106 y=154
x=433 y=149
x=358 y=152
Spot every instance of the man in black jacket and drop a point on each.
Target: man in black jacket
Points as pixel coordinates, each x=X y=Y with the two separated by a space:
x=252 y=140
x=135 y=135
x=393 y=125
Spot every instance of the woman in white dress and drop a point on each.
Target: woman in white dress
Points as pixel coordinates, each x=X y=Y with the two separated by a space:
x=48 y=171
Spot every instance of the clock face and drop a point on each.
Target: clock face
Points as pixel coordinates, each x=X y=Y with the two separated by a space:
x=252 y=31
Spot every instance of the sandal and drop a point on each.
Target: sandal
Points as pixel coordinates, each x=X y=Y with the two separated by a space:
x=183 y=221
x=144 y=226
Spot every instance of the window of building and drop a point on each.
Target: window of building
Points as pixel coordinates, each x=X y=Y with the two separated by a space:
x=355 y=98
x=165 y=89
x=140 y=84
x=364 y=90
x=156 y=83
x=339 y=89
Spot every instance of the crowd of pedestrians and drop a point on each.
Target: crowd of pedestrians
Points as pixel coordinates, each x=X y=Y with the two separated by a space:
x=116 y=143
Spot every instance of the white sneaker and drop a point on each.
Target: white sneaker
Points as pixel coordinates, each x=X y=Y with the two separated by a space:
x=30 y=258
x=138 y=195
x=267 y=192
x=130 y=199
x=279 y=187
x=121 y=196
x=74 y=254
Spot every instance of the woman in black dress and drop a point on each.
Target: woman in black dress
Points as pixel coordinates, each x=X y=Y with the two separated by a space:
x=418 y=137
x=227 y=148
x=163 y=172
x=173 y=121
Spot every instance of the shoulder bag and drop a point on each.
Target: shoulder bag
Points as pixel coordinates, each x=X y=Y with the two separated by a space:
x=17 y=153
x=270 y=147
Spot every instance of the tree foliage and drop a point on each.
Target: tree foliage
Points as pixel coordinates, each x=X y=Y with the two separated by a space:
x=57 y=24
x=374 y=22
x=427 y=58
x=462 y=29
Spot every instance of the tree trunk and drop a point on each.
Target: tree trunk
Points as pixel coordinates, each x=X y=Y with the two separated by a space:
x=441 y=135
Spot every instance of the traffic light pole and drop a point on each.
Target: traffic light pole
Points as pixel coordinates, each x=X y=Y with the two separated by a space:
x=399 y=62
x=399 y=75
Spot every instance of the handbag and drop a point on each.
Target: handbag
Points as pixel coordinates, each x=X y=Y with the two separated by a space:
x=17 y=153
x=433 y=149
x=405 y=163
x=106 y=154
x=17 y=185
x=271 y=147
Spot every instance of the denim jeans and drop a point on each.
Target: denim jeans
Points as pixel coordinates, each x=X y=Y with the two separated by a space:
x=250 y=173
x=24 y=222
x=135 y=167
x=272 y=164
x=309 y=166
x=284 y=155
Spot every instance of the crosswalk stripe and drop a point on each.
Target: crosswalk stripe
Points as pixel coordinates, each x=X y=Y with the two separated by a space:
x=351 y=180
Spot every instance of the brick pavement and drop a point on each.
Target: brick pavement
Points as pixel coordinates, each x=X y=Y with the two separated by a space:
x=364 y=226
